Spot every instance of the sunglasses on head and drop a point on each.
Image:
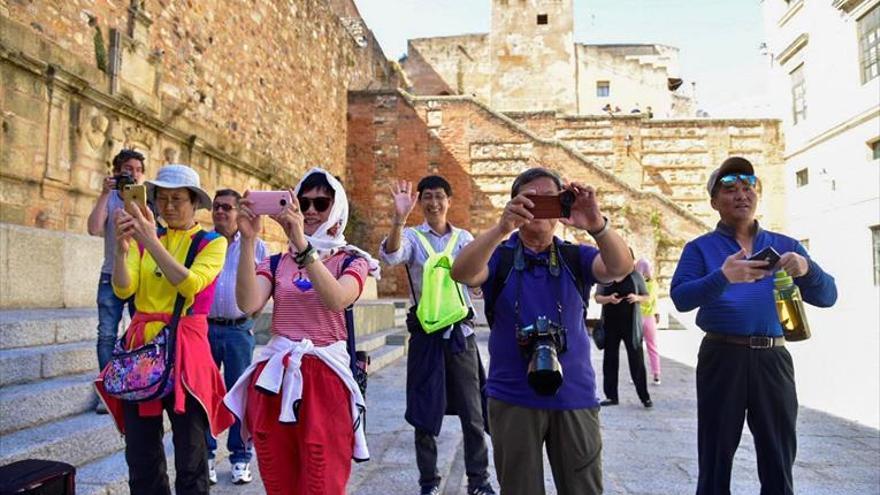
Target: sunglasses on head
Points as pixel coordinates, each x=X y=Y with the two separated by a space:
x=223 y=206
x=321 y=204
x=731 y=179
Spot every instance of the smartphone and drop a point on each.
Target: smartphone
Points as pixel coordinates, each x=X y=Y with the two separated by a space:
x=768 y=254
x=269 y=202
x=135 y=193
x=553 y=205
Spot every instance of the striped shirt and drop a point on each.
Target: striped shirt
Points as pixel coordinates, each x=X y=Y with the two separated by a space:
x=298 y=312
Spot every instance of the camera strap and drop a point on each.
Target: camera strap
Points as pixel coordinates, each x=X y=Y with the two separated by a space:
x=519 y=264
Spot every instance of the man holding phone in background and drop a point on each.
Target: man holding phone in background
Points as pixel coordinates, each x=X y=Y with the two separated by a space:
x=128 y=168
x=230 y=331
x=743 y=368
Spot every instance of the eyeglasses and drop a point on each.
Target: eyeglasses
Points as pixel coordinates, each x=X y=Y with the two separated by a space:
x=223 y=206
x=176 y=202
x=321 y=203
x=729 y=180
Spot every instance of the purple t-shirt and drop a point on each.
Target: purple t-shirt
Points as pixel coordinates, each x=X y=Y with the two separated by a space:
x=539 y=292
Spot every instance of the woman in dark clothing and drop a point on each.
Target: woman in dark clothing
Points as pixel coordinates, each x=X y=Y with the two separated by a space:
x=622 y=320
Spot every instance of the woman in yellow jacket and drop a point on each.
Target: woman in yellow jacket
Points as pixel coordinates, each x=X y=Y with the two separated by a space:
x=149 y=265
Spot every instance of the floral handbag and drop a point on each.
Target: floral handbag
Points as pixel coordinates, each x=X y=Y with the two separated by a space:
x=146 y=372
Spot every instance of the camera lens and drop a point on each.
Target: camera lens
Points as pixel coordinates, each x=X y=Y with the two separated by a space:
x=283 y=202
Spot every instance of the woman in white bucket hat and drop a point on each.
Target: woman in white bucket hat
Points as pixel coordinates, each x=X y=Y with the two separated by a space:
x=152 y=270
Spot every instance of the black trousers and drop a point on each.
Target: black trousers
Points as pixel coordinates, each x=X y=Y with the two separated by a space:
x=614 y=333
x=462 y=389
x=145 y=454
x=735 y=383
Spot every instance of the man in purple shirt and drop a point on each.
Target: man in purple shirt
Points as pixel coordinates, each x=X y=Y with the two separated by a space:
x=230 y=331
x=543 y=278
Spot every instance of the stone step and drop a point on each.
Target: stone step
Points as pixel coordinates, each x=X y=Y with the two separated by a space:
x=109 y=475
x=385 y=355
x=32 y=404
x=46 y=361
x=34 y=327
x=76 y=440
x=371 y=342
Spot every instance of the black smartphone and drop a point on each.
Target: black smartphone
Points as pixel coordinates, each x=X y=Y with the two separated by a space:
x=768 y=254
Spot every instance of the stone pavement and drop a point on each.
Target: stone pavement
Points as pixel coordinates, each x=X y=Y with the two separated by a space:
x=646 y=451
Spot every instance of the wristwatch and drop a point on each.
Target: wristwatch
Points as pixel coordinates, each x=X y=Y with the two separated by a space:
x=308 y=258
x=601 y=232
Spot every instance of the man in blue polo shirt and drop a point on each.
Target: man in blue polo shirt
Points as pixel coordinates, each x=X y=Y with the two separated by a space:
x=528 y=278
x=743 y=368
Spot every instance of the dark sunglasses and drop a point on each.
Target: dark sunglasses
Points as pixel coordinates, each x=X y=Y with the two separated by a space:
x=321 y=204
x=729 y=180
x=223 y=206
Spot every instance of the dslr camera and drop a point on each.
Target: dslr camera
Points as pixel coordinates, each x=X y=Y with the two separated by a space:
x=541 y=343
x=122 y=180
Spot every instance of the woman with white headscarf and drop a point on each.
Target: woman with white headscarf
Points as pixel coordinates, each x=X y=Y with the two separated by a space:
x=309 y=426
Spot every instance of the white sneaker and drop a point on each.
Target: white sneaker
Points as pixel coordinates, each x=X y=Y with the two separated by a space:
x=656 y=379
x=212 y=472
x=241 y=473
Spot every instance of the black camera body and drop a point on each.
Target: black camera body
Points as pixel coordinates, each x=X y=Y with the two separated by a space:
x=541 y=343
x=566 y=200
x=122 y=180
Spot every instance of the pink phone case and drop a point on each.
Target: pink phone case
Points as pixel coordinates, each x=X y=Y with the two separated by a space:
x=269 y=202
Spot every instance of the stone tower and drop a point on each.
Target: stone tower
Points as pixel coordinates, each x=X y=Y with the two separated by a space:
x=533 y=55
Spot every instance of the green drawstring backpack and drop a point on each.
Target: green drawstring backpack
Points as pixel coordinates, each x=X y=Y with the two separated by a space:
x=442 y=303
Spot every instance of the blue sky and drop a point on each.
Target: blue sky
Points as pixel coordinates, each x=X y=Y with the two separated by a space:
x=719 y=39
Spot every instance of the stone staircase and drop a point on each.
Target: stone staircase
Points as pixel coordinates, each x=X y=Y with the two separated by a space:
x=47 y=401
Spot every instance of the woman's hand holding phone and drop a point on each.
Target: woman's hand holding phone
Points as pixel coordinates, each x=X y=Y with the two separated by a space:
x=249 y=223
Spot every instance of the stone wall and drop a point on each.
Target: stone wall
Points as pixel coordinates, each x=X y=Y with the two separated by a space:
x=266 y=76
x=533 y=60
x=480 y=151
x=249 y=95
x=674 y=157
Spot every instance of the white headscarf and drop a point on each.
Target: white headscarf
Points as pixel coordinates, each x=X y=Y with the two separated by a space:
x=321 y=240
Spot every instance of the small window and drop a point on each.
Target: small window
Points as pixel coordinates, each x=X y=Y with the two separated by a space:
x=806 y=244
x=869 y=44
x=542 y=19
x=802 y=177
x=875 y=240
x=603 y=89
x=875 y=150
x=798 y=94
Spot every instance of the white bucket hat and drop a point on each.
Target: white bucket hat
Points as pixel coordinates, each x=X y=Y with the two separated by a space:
x=176 y=176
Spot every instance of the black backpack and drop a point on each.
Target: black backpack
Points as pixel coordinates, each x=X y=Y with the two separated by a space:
x=359 y=361
x=569 y=254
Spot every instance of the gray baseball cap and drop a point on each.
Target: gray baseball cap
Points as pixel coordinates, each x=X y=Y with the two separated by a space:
x=733 y=165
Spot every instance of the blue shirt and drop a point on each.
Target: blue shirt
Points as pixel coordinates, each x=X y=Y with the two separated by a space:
x=743 y=308
x=224 y=305
x=539 y=292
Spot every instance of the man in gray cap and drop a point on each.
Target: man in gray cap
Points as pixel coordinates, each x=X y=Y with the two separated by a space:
x=743 y=368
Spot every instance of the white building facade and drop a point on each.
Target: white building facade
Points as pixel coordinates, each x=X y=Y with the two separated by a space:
x=825 y=86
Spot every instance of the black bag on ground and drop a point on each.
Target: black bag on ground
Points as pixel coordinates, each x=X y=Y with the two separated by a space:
x=37 y=477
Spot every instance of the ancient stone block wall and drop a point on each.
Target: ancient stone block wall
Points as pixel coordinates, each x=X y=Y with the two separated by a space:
x=674 y=157
x=265 y=76
x=450 y=65
x=480 y=152
x=250 y=95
